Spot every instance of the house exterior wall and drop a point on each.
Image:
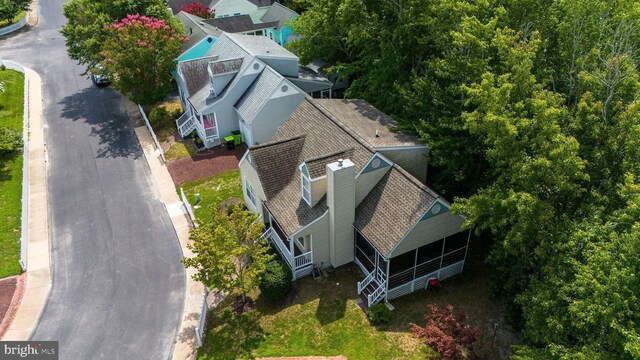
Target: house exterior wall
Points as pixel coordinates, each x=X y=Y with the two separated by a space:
x=283 y=66
x=414 y=161
x=225 y=8
x=219 y=82
x=428 y=231
x=341 y=202
x=318 y=189
x=226 y=114
x=249 y=173
x=274 y=113
x=367 y=181
x=319 y=231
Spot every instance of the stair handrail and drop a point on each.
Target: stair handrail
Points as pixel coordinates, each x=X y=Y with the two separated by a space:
x=364 y=283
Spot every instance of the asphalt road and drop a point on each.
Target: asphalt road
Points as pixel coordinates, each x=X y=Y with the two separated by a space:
x=118 y=284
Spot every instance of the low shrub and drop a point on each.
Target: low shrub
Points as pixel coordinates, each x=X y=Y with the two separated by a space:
x=379 y=313
x=276 y=281
x=160 y=118
x=10 y=140
x=446 y=332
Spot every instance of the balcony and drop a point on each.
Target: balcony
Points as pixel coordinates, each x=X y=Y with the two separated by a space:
x=299 y=261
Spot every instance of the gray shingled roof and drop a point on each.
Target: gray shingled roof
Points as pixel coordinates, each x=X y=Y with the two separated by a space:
x=195 y=73
x=364 y=119
x=225 y=48
x=261 y=46
x=280 y=13
x=239 y=24
x=225 y=66
x=314 y=135
x=261 y=3
x=195 y=29
x=258 y=93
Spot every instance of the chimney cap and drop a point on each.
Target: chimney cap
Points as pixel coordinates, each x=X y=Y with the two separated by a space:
x=340 y=162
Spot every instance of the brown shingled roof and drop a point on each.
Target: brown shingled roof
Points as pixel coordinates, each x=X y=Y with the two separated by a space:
x=225 y=66
x=313 y=134
x=317 y=166
x=364 y=119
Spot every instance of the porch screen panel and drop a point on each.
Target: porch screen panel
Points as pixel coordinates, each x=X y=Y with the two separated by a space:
x=365 y=253
x=276 y=227
x=401 y=269
x=456 y=241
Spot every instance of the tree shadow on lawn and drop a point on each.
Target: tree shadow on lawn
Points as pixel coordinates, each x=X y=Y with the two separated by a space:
x=102 y=109
x=234 y=335
x=5 y=171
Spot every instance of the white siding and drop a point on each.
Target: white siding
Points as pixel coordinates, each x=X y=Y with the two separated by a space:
x=318 y=189
x=428 y=231
x=366 y=182
x=414 y=161
x=284 y=66
x=341 y=202
x=247 y=171
x=319 y=231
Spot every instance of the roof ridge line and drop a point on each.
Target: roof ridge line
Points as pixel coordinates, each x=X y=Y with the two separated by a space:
x=417 y=182
x=328 y=155
x=277 y=142
x=342 y=125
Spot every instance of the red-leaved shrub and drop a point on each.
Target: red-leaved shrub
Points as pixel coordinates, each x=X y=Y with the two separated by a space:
x=198 y=9
x=446 y=332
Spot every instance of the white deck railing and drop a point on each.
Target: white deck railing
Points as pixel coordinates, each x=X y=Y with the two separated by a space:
x=374 y=296
x=280 y=246
x=303 y=260
x=364 y=283
x=185 y=124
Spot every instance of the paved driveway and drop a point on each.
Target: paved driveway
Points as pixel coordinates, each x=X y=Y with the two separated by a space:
x=118 y=284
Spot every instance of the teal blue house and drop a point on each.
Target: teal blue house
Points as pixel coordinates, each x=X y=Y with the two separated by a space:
x=282 y=33
x=198 y=50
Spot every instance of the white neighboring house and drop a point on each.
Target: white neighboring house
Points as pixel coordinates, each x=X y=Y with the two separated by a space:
x=335 y=185
x=241 y=84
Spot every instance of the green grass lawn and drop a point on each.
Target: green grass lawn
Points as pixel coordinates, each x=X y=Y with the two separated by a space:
x=180 y=149
x=11 y=115
x=18 y=17
x=213 y=190
x=321 y=319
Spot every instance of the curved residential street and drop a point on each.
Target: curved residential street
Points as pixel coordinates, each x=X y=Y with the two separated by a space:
x=117 y=283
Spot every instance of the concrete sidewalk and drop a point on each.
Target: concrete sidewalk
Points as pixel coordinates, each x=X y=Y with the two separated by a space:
x=38 y=280
x=185 y=346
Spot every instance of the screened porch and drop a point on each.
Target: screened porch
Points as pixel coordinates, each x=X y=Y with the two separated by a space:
x=296 y=253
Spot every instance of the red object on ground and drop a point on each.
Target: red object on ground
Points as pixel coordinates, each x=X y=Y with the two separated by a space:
x=434 y=282
x=11 y=291
x=199 y=166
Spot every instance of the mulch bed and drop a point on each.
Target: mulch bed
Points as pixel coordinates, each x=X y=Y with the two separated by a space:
x=198 y=166
x=11 y=291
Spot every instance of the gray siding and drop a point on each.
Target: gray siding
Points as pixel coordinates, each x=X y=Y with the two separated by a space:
x=273 y=114
x=319 y=231
x=247 y=171
x=414 y=161
x=284 y=66
x=428 y=231
x=366 y=182
x=341 y=201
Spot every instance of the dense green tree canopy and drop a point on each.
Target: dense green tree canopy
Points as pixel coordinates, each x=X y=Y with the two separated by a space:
x=228 y=253
x=530 y=109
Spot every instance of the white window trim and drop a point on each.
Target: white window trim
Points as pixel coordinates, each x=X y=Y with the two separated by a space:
x=249 y=192
x=303 y=177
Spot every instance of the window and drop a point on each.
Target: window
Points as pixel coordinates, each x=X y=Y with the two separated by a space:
x=306 y=188
x=249 y=190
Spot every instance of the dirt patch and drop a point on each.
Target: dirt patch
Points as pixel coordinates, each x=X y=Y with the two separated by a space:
x=198 y=166
x=241 y=306
x=11 y=291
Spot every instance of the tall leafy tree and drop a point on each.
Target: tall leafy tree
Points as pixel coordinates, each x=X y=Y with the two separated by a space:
x=228 y=253
x=87 y=20
x=139 y=52
x=9 y=9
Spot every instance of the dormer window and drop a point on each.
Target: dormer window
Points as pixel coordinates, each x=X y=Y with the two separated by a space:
x=306 y=187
